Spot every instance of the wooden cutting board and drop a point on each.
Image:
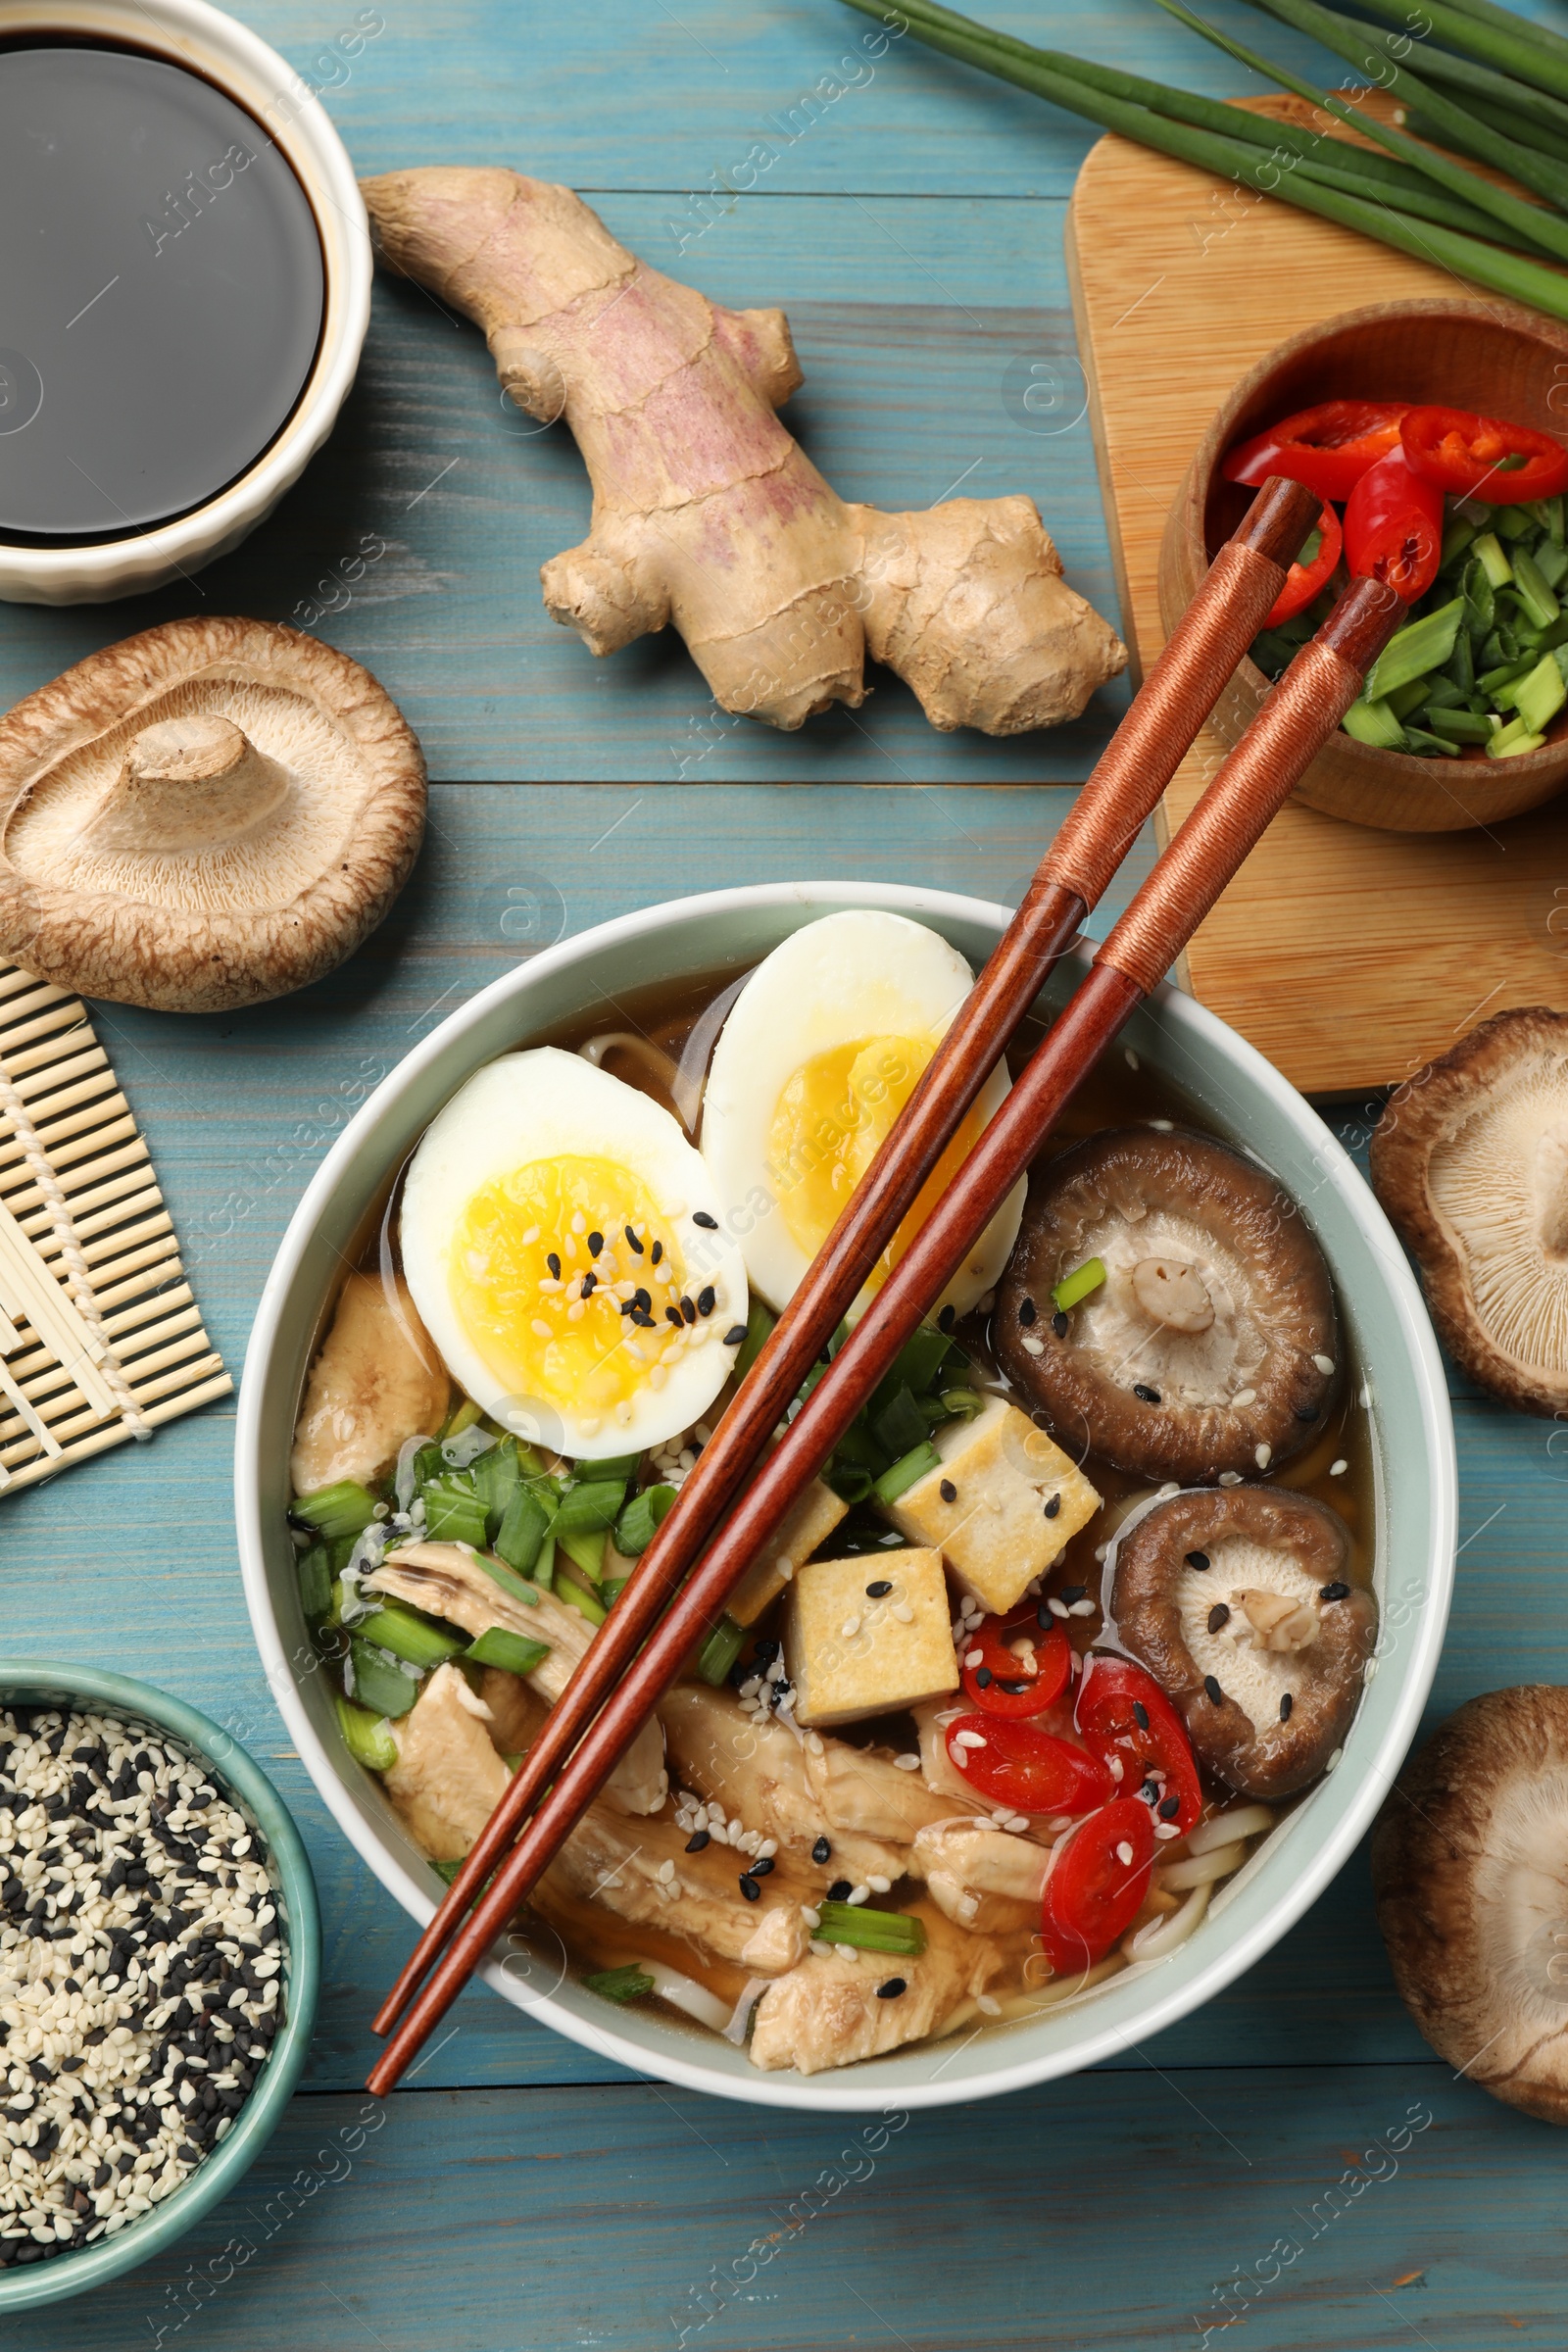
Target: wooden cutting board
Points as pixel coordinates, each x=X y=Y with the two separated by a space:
x=1348 y=956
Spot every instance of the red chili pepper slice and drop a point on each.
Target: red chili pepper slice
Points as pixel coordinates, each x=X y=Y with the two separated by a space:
x=1019 y=1765
x=1328 y=448
x=1123 y=1712
x=1096 y=1885
x=1393 y=527
x=1304 y=581
x=1482 y=457
x=1005 y=1684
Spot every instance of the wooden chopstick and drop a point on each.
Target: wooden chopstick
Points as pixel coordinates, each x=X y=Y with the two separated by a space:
x=1161 y=723
x=1253 y=784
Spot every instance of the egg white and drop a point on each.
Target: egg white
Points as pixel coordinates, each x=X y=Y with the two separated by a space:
x=545 y=1104
x=856 y=975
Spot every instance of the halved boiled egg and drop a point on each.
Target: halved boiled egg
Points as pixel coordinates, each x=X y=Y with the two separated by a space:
x=561 y=1241
x=822 y=1050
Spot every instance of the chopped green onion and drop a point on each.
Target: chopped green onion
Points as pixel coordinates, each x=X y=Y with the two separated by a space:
x=590 y=1507
x=1515 y=744
x=1535 y=589
x=448 y=1868
x=1460 y=726
x=344 y=1510
x=611 y=1591
x=621 y=1466
x=1079 y=1285
x=1539 y=697
x=466 y=1414
x=1418 y=739
x=1552 y=562
x=1494 y=563
x=496 y=1475
x=382 y=1687
x=316 y=1580
x=409 y=1636
x=1423 y=645
x=1463 y=668
x=1511 y=522
x=915 y=1367
x=512 y=1652
x=543 y=1570
x=759 y=1324
x=721 y=1651
x=900 y=1426
x=963 y=1404
x=585 y=1550
x=1496 y=684
x=1456 y=538
x=620 y=1983
x=906 y=1472
x=851 y=1482
x=578 y=1591
x=870 y=1931
x=454 y=1513
x=1374 y=723
x=526 y=1589
x=1408 y=698
x=366 y=1736
x=522 y=1535
x=641 y=1520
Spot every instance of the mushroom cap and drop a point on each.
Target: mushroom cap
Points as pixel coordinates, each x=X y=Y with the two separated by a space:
x=1470 y=1159
x=1235 y=1389
x=1469 y=1867
x=1270 y=1555
x=207 y=814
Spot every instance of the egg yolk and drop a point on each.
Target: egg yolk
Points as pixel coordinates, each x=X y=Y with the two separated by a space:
x=827 y=1124
x=564 y=1274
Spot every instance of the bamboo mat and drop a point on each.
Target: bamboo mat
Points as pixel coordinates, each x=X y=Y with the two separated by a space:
x=63 y=1391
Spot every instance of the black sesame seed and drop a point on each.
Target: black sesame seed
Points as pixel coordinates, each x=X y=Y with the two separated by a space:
x=984 y=1676
x=688 y=1308
x=1168 y=1807
x=1198 y=1559
x=822 y=1850
x=749 y=1888
x=948 y=1317
x=706 y=1301
x=1306 y=1412
x=589 y=1284
x=1014 y=1690
x=1071 y=1593
x=656 y=1254
x=880 y=1589
x=735 y=1335
x=699 y=1839
x=760 y=1867
x=628 y=1306
x=672 y=1316
x=699 y=1216
x=767 y=1649
x=840 y=1891
x=891 y=1990
x=1286 y=1705
x=632 y=1242
x=1141 y=1388
x=1218 y=1616
x=1216 y=1694
x=1027 y=1312
x=1140 y=1715
x=947 y=1491
x=554 y=1263
x=595 y=1242
x=1059 y=1324
x=1149 y=1793
x=644 y=1299
x=1338 y=1590
x=1053 y=1506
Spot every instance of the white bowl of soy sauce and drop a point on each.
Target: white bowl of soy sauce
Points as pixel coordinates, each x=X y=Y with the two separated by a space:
x=185 y=289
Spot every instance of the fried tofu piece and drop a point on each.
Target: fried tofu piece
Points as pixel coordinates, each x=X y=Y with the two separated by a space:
x=866 y=1634
x=1015 y=1499
x=806 y=1530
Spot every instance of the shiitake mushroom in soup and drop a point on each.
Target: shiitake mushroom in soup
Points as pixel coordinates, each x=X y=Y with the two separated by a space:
x=1210 y=1347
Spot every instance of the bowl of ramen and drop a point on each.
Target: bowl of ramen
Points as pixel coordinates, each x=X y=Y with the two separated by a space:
x=1066 y=1686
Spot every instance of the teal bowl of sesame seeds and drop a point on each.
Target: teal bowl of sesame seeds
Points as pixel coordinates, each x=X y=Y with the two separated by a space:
x=128 y=2157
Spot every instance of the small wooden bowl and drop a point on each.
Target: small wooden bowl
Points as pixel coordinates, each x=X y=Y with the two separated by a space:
x=1490 y=357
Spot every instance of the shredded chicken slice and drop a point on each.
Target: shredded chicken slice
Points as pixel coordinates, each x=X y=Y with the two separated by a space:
x=448 y=1581
x=863 y=1789
x=762 y=1773
x=378 y=1377
x=449 y=1778
x=985 y=1880
x=828 y=2011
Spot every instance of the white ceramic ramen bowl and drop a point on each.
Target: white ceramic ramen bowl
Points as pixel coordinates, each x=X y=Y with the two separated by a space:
x=1247 y=1101
x=288 y=106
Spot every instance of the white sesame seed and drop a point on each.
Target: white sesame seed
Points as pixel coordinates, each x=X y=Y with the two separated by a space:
x=879 y=1885
x=1334 y=1759
x=902 y=1610
x=1339 y=1468
x=970 y=1740
x=987 y=2005
x=848 y=1629
x=1262 y=1455
x=1243 y=1397
x=1124 y=1854
x=541 y=1329
x=974 y=1657
x=1230 y=1478
x=1057 y=1608
x=820 y=1950
x=907 y=1763
x=811 y=1917
x=1167 y=1828
x=1082 y=1608
x=1325 y=1364
x=1032 y=1345
x=857 y=1895
x=667 y=1871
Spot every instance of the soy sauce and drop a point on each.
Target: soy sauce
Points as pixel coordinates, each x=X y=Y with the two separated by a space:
x=161 y=291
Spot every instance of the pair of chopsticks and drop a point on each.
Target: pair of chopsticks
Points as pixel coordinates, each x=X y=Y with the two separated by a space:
x=610 y=1697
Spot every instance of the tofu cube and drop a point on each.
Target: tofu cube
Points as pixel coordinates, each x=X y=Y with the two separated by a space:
x=806 y=1530
x=1016 y=1500
x=850 y=1653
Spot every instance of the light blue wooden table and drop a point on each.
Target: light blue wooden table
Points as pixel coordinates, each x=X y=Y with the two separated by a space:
x=519 y=2194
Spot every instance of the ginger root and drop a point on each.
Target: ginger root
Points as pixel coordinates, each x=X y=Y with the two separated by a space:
x=706 y=512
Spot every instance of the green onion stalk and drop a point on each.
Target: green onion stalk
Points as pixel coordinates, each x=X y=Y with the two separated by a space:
x=1125 y=104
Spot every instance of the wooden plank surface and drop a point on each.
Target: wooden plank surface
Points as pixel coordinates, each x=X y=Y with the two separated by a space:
x=520 y=2193
x=1348 y=956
